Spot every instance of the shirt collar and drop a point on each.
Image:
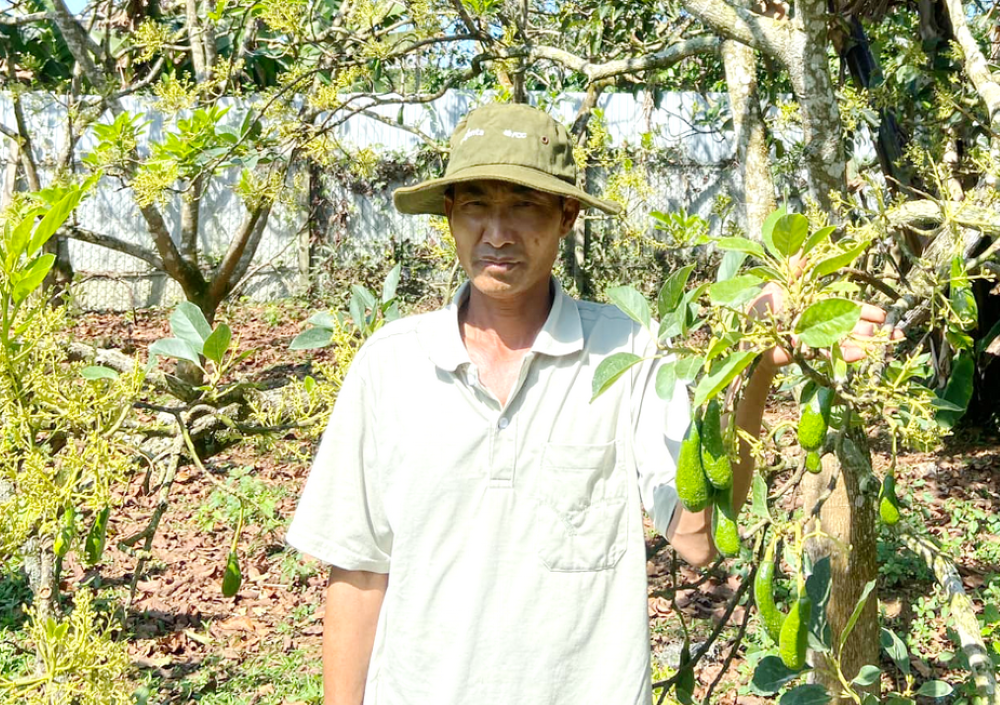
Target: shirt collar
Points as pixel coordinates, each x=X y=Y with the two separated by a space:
x=561 y=335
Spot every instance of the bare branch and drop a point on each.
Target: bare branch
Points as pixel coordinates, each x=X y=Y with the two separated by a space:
x=116 y=244
x=223 y=274
x=599 y=72
x=747 y=27
x=17 y=20
x=963 y=615
x=154 y=75
x=929 y=213
x=976 y=66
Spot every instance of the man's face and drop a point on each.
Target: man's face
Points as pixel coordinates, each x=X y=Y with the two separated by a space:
x=507 y=236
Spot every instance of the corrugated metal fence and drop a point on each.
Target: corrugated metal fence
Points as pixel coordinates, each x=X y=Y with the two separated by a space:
x=692 y=173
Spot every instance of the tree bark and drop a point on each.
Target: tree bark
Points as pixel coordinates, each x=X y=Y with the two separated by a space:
x=740 y=62
x=978 y=71
x=848 y=516
x=963 y=616
x=799 y=44
x=821 y=125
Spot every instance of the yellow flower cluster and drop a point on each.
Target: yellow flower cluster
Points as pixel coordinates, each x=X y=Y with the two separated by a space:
x=150 y=38
x=284 y=16
x=152 y=180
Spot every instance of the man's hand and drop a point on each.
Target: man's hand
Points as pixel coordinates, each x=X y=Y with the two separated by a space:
x=869 y=331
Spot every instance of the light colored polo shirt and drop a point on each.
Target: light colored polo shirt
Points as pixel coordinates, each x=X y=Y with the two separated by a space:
x=512 y=534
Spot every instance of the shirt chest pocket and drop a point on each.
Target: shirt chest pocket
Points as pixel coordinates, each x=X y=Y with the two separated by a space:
x=580 y=500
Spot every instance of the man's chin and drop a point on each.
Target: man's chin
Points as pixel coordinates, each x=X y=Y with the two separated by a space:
x=494 y=287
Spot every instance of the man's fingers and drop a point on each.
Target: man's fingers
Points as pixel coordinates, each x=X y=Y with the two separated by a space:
x=872 y=313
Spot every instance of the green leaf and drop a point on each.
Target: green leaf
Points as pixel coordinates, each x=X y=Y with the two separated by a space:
x=935 y=689
x=188 y=323
x=312 y=339
x=827 y=322
x=19 y=236
x=963 y=301
x=175 y=348
x=818 y=587
x=734 y=291
x=740 y=244
x=789 y=233
x=689 y=367
x=958 y=391
x=390 y=283
x=672 y=291
x=632 y=303
x=896 y=649
x=98 y=372
x=722 y=373
x=32 y=277
x=323 y=319
x=767 y=231
x=856 y=614
x=218 y=343
x=610 y=369
x=357 y=309
x=837 y=262
x=807 y=694
x=766 y=274
x=770 y=675
x=666 y=380
x=55 y=217
x=758 y=505
x=866 y=676
x=731 y=263
x=724 y=343
x=366 y=297
x=983 y=343
x=817 y=237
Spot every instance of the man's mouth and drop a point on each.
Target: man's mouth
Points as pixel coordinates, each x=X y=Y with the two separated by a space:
x=497 y=263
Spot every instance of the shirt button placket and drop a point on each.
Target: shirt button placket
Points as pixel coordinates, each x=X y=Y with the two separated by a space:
x=504 y=442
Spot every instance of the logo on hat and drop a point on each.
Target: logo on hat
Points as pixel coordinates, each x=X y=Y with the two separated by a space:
x=472 y=133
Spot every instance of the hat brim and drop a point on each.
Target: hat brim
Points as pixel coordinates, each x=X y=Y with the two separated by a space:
x=427 y=197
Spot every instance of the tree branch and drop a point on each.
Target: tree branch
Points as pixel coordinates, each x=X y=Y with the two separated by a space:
x=599 y=72
x=962 y=614
x=113 y=243
x=17 y=20
x=223 y=274
x=762 y=33
x=976 y=66
x=179 y=269
x=934 y=214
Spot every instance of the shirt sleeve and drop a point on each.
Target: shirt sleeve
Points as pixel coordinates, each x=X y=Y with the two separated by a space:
x=341 y=517
x=658 y=429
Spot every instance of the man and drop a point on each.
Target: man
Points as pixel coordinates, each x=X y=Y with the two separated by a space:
x=481 y=514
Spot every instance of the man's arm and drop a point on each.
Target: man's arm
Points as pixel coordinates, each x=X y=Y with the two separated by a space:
x=353 y=601
x=690 y=533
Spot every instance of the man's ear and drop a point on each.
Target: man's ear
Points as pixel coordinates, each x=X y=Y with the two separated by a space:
x=570 y=211
x=449 y=203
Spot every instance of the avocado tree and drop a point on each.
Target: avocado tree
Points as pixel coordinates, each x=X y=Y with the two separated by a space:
x=839 y=399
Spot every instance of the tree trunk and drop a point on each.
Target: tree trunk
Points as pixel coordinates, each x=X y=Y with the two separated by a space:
x=740 y=62
x=809 y=72
x=848 y=517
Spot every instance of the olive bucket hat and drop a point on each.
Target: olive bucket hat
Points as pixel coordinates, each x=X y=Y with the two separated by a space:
x=504 y=142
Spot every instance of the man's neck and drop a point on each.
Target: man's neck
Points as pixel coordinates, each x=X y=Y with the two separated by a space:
x=504 y=325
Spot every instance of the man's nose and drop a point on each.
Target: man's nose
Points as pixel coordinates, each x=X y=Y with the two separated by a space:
x=498 y=229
